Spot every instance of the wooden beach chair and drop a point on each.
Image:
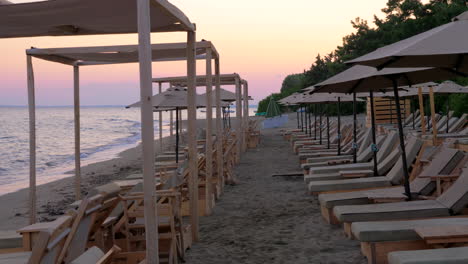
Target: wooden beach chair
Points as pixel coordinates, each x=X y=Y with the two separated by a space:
x=133 y=228
x=392 y=164
x=451 y=202
x=45 y=244
x=456 y=255
x=95 y=255
x=421 y=186
x=362 y=156
x=386 y=157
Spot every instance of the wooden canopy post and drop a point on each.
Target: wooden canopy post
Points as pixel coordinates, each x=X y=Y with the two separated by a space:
x=434 y=126
x=219 y=128
x=238 y=118
x=421 y=111
x=246 y=114
x=160 y=122
x=192 y=133
x=32 y=141
x=147 y=132
x=76 y=108
x=209 y=134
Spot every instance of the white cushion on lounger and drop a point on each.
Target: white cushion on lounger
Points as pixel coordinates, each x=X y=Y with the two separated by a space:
x=348 y=184
x=15 y=258
x=330 y=200
x=91 y=255
x=456 y=255
x=323 y=177
x=10 y=239
x=390 y=211
x=399 y=230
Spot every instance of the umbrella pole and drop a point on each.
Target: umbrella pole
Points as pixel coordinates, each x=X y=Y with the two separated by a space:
x=414 y=112
x=32 y=142
x=315 y=122
x=448 y=114
x=305 y=120
x=328 y=128
x=177 y=136
x=354 y=129
x=310 y=123
x=297 y=117
x=339 y=127
x=304 y=126
x=402 y=141
x=428 y=123
x=320 y=132
x=374 y=141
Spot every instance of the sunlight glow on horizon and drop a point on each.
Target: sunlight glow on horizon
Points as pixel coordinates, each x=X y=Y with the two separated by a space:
x=263 y=41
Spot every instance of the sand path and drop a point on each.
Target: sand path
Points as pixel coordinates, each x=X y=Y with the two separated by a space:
x=270 y=220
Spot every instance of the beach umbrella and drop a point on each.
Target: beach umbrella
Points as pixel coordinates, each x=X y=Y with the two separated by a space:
x=330 y=98
x=173 y=98
x=364 y=78
x=272 y=109
x=445 y=46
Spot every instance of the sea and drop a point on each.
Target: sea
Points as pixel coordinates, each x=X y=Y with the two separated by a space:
x=105 y=132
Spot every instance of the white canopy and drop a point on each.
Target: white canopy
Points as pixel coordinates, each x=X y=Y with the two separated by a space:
x=83 y=56
x=86 y=17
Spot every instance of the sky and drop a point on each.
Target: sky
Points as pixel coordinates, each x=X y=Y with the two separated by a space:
x=262 y=40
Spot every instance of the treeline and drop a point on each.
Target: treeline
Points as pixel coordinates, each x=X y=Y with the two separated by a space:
x=402 y=19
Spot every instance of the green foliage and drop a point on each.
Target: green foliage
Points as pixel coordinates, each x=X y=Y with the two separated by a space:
x=402 y=19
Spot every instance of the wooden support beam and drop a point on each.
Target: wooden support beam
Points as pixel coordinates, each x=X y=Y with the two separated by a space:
x=238 y=118
x=160 y=123
x=219 y=128
x=421 y=110
x=245 y=114
x=192 y=134
x=32 y=141
x=209 y=134
x=76 y=107
x=147 y=132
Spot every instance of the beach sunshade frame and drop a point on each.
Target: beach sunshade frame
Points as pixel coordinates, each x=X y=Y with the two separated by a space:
x=367 y=78
x=242 y=118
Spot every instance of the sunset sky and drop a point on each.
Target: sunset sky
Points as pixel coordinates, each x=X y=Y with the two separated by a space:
x=262 y=40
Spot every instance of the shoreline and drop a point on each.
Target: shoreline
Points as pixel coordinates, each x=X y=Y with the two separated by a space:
x=54 y=197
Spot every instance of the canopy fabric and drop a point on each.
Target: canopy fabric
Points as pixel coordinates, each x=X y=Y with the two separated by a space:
x=86 y=17
x=291 y=99
x=444 y=46
x=117 y=54
x=272 y=109
x=172 y=98
x=364 y=78
x=5 y=2
x=226 y=79
x=226 y=95
x=321 y=98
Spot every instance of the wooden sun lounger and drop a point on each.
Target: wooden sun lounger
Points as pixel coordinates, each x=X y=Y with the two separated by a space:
x=385 y=143
x=393 y=177
x=449 y=203
x=456 y=255
x=445 y=161
x=378 y=238
x=339 y=172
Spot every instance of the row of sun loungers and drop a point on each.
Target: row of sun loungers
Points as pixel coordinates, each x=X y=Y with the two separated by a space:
x=108 y=225
x=432 y=227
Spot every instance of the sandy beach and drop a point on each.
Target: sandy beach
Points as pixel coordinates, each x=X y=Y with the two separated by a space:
x=263 y=218
x=267 y=219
